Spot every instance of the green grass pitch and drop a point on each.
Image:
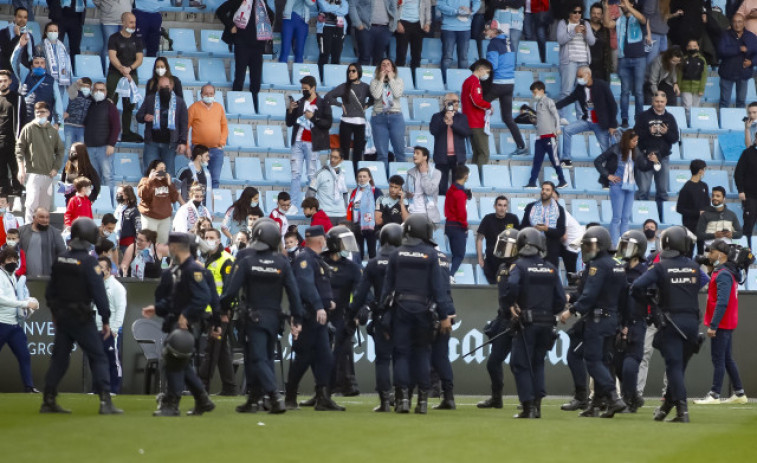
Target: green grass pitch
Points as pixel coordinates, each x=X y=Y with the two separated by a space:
x=721 y=433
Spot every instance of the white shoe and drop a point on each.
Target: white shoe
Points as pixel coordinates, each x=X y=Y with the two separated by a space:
x=564 y=121
x=451 y=280
x=737 y=399
x=709 y=399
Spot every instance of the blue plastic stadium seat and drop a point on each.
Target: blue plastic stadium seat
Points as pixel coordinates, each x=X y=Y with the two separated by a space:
x=528 y=54
x=587 y=180
x=464 y=275
x=102 y=204
x=300 y=70
x=730 y=145
x=270 y=137
x=606 y=212
x=212 y=70
x=226 y=175
x=551 y=81
x=696 y=148
x=506 y=143
x=222 y=201
x=271 y=104
x=127 y=167
x=183 y=40
x=240 y=137
x=89 y=66
x=553 y=53
x=732 y=119
x=523 y=80
x=643 y=210
x=669 y=214
x=422 y=138
x=485 y=205
x=480 y=277
x=400 y=168
x=578 y=147
x=474 y=180
x=429 y=80
x=472 y=208
x=239 y=104
x=441 y=240
x=496 y=177
x=615 y=87
x=715 y=178
x=183 y=68
x=278 y=171
x=348 y=51
x=704 y=119
x=406 y=75
x=551 y=175
x=585 y=210
x=144 y=72
x=712 y=90
x=276 y=75
x=91 y=38
x=678 y=178
x=249 y=172
x=520 y=176
x=210 y=42
x=334 y=74
x=368 y=72
x=378 y=172
x=432 y=50
x=518 y=205
x=424 y=109
x=470 y=247
x=455 y=77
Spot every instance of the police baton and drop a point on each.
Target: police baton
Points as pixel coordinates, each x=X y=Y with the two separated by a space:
x=673 y=324
x=493 y=338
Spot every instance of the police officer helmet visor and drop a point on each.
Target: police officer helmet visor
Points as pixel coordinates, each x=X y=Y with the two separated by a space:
x=506 y=247
x=627 y=248
x=589 y=249
x=347 y=242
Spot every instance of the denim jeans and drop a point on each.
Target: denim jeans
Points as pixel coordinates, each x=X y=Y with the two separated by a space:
x=160 y=151
x=15 y=337
x=722 y=361
x=302 y=152
x=388 y=127
x=726 y=89
x=104 y=166
x=72 y=135
x=457 y=236
x=631 y=72
x=622 y=208
x=215 y=165
x=580 y=126
x=297 y=29
x=568 y=83
x=661 y=181
x=659 y=45
x=450 y=40
x=107 y=31
x=372 y=44
x=536 y=27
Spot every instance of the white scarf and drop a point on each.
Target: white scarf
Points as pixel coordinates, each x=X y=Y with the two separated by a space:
x=242 y=16
x=58 y=62
x=340 y=187
x=628 y=176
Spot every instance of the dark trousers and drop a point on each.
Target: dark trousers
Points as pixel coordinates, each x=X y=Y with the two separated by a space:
x=750 y=218
x=351 y=135
x=595 y=339
x=411 y=332
x=343 y=373
x=440 y=361
x=504 y=93
x=677 y=353
x=71 y=23
x=218 y=353
x=501 y=347
x=15 y=337
x=85 y=334
x=413 y=36
x=311 y=349
x=128 y=107
x=576 y=363
x=178 y=380
x=148 y=29
x=569 y=259
x=491 y=266
x=114 y=364
x=329 y=46
x=477 y=33
x=637 y=332
x=457 y=236
x=259 y=354
x=527 y=361
x=248 y=55
x=446 y=170
x=383 y=349
x=372 y=44
x=542 y=147
x=722 y=361
x=536 y=27
x=369 y=238
x=8 y=166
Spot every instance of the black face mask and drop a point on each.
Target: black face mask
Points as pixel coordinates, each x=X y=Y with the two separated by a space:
x=197 y=203
x=10 y=267
x=692 y=52
x=41 y=227
x=649 y=233
x=120 y=198
x=306 y=94
x=165 y=94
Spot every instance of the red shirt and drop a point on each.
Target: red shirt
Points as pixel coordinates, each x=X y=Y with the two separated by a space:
x=455 y=205
x=78 y=206
x=320 y=218
x=474 y=105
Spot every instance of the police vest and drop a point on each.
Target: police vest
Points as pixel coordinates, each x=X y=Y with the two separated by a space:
x=43 y=92
x=614 y=282
x=215 y=268
x=679 y=286
x=537 y=286
x=415 y=264
x=731 y=316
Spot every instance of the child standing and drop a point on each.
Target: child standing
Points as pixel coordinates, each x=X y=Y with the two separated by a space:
x=80 y=205
x=76 y=111
x=692 y=77
x=547 y=129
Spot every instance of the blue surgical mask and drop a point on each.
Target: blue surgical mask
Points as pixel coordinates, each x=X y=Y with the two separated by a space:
x=52 y=36
x=86 y=91
x=38 y=71
x=2 y=210
x=204 y=164
x=345 y=254
x=41 y=120
x=208 y=99
x=363 y=185
x=254 y=203
x=581 y=81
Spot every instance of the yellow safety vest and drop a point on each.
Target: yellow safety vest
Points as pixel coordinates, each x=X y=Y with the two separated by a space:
x=215 y=269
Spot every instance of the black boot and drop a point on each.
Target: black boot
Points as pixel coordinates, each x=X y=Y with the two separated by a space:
x=308 y=403
x=290 y=398
x=49 y=405
x=277 y=406
x=202 y=404
x=592 y=409
x=537 y=407
x=495 y=401
x=384 y=405
x=169 y=406
x=106 y=405
x=448 y=401
x=528 y=411
x=401 y=400
x=323 y=401
x=682 y=413
x=580 y=401
x=250 y=406
x=422 y=406
x=661 y=412
x=614 y=405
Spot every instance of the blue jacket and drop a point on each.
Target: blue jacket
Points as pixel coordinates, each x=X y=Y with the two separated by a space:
x=450 y=17
x=500 y=54
x=732 y=59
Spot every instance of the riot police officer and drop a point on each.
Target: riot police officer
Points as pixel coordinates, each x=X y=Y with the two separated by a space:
x=372 y=284
x=534 y=294
x=440 y=363
x=184 y=292
x=75 y=283
x=505 y=249
x=312 y=345
x=264 y=276
x=414 y=284
x=632 y=248
x=575 y=355
x=605 y=286
x=678 y=280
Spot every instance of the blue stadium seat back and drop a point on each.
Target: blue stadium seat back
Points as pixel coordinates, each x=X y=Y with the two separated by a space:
x=523 y=80
x=240 y=104
x=485 y=205
x=241 y=137
x=751 y=93
x=696 y=148
x=712 y=90
x=732 y=119
x=528 y=53
x=127 y=166
x=278 y=171
x=348 y=52
x=715 y=178
x=464 y=275
x=336 y=116
x=678 y=178
x=334 y=74
x=368 y=72
x=349 y=174
x=669 y=214
x=378 y=172
x=429 y=80
x=187 y=96
x=737 y=209
x=480 y=276
x=730 y=146
x=751 y=282
x=703 y=119
x=35 y=28
x=270 y=201
x=506 y=143
x=210 y=42
x=183 y=40
x=400 y=168
x=405 y=108
x=249 y=172
x=91 y=38
x=441 y=240
x=422 y=138
x=595 y=149
x=272 y=104
x=578 y=147
x=276 y=74
x=102 y=204
x=300 y=70
x=270 y=136
x=424 y=109
x=180 y=164
x=471 y=206
x=496 y=177
x=606 y=212
x=183 y=68
x=551 y=81
x=553 y=54
x=455 y=77
x=520 y=176
x=615 y=88
x=551 y=174
x=90 y=66
x=470 y=247
x=675 y=152
x=585 y=210
x=473 y=54
x=226 y=175
x=311 y=50
x=407 y=77
x=643 y=210
x=213 y=71
x=496 y=117
x=518 y=205
x=474 y=178
x=440 y=201
x=222 y=201
x=432 y=50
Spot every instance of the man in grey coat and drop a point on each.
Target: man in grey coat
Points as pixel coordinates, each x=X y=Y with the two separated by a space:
x=375 y=26
x=41 y=242
x=422 y=185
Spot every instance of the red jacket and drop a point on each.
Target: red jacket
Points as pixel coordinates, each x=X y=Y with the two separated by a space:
x=78 y=206
x=320 y=218
x=539 y=6
x=474 y=105
x=455 y=205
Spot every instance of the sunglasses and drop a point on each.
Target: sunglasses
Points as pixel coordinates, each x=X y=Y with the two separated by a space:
x=352 y=71
x=576 y=12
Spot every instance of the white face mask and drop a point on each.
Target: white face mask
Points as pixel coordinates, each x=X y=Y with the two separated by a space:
x=212 y=244
x=42 y=120
x=581 y=81
x=363 y=185
x=87 y=191
x=208 y=99
x=160 y=71
x=11 y=243
x=484 y=77
x=52 y=36
x=130 y=30
x=98 y=96
x=292 y=249
x=106 y=233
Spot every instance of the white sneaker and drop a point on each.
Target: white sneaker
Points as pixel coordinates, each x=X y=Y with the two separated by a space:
x=451 y=280
x=737 y=399
x=564 y=121
x=709 y=399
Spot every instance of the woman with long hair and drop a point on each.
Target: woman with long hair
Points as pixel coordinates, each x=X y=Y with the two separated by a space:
x=387 y=122
x=617 y=169
x=129 y=220
x=161 y=69
x=235 y=219
x=79 y=165
x=157 y=193
x=361 y=210
x=662 y=75
x=144 y=258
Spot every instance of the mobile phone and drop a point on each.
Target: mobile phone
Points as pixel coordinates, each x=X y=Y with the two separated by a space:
x=160 y=173
x=291 y=99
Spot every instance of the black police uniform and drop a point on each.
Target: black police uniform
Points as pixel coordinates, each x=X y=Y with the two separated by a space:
x=75 y=283
x=184 y=290
x=345 y=277
x=415 y=279
x=263 y=275
x=575 y=356
x=633 y=316
x=605 y=286
x=312 y=345
x=440 y=347
x=534 y=285
x=679 y=280
x=217 y=351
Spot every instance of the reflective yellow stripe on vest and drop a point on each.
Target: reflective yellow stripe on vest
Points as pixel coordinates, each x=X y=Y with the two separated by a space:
x=215 y=268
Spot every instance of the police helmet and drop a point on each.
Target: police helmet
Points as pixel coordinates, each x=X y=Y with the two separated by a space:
x=675 y=241
x=391 y=235
x=266 y=236
x=595 y=241
x=84 y=229
x=632 y=244
x=177 y=349
x=260 y=222
x=506 y=246
x=341 y=238
x=417 y=229
x=531 y=242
